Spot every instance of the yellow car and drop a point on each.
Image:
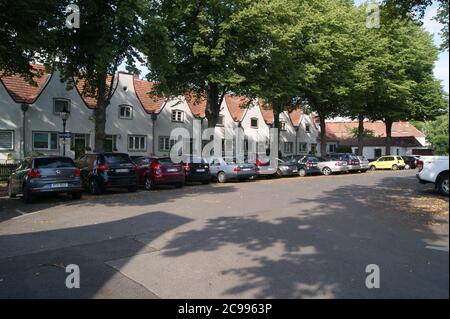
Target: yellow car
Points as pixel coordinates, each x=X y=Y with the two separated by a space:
x=393 y=162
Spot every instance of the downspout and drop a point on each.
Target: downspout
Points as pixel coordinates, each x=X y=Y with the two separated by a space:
x=296 y=140
x=25 y=108
x=154 y=117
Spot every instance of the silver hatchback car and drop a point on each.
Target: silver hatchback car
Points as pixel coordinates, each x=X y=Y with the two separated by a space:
x=224 y=170
x=332 y=165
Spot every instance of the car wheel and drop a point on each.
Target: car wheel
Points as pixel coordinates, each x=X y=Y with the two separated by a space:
x=302 y=172
x=76 y=196
x=148 y=184
x=407 y=166
x=221 y=177
x=394 y=167
x=10 y=192
x=94 y=187
x=27 y=196
x=373 y=168
x=443 y=187
x=132 y=189
x=326 y=171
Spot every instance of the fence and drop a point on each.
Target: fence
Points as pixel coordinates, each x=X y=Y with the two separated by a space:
x=5 y=171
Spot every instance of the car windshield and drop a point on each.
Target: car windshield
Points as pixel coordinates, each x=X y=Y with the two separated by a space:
x=116 y=159
x=53 y=162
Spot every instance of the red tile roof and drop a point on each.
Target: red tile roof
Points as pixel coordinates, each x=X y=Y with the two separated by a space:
x=91 y=102
x=22 y=91
x=401 y=141
x=150 y=103
x=341 y=129
x=236 y=106
x=196 y=103
x=267 y=115
x=296 y=116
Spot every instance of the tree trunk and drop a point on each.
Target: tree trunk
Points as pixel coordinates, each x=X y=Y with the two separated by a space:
x=323 y=136
x=360 y=134
x=100 y=114
x=276 y=125
x=213 y=105
x=388 y=123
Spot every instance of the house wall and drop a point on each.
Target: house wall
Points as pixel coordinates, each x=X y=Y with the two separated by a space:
x=308 y=138
x=288 y=135
x=262 y=133
x=10 y=120
x=369 y=151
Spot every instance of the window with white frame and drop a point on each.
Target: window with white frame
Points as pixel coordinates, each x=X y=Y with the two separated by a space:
x=308 y=128
x=60 y=105
x=165 y=143
x=254 y=122
x=126 y=112
x=6 y=140
x=177 y=116
x=45 y=141
x=137 y=142
x=303 y=147
x=288 y=147
x=332 y=148
x=283 y=125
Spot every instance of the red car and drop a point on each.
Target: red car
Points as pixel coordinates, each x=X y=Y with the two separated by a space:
x=154 y=171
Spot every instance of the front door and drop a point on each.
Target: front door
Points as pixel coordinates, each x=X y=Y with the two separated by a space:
x=79 y=145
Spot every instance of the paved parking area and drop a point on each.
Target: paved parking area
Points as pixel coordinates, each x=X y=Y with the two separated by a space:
x=286 y=238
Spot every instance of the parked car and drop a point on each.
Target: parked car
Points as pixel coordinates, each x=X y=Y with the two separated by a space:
x=278 y=167
x=154 y=171
x=100 y=171
x=393 y=162
x=363 y=163
x=45 y=174
x=410 y=161
x=434 y=169
x=224 y=170
x=330 y=165
x=353 y=162
x=306 y=164
x=196 y=169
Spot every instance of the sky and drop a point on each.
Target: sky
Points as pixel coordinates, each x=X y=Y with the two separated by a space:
x=442 y=65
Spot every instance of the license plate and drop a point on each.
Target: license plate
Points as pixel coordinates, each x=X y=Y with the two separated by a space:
x=59 y=185
x=201 y=170
x=122 y=170
x=172 y=170
x=246 y=169
x=295 y=170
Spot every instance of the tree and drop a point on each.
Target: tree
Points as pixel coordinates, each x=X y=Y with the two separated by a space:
x=25 y=34
x=437 y=134
x=355 y=133
x=415 y=9
x=108 y=35
x=192 y=47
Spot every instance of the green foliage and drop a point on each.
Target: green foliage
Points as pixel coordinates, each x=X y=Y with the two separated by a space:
x=344 y=149
x=367 y=133
x=437 y=134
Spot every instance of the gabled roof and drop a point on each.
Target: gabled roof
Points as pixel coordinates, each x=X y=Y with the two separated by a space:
x=341 y=129
x=296 y=116
x=22 y=91
x=150 y=103
x=236 y=106
x=196 y=103
x=401 y=141
x=91 y=102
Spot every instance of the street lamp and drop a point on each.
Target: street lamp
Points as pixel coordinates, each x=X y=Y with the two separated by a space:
x=64 y=116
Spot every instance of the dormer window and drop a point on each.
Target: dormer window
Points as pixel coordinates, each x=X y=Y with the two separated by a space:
x=220 y=120
x=126 y=112
x=254 y=122
x=177 y=116
x=61 y=105
x=307 y=128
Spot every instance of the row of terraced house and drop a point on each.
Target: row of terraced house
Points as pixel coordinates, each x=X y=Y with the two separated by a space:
x=136 y=122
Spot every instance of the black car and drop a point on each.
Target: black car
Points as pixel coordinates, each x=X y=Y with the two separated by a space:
x=45 y=174
x=196 y=170
x=306 y=164
x=410 y=162
x=100 y=171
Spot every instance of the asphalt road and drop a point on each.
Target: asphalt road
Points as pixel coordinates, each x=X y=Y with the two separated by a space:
x=287 y=238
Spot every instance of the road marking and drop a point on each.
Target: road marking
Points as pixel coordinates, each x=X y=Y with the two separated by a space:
x=441 y=248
